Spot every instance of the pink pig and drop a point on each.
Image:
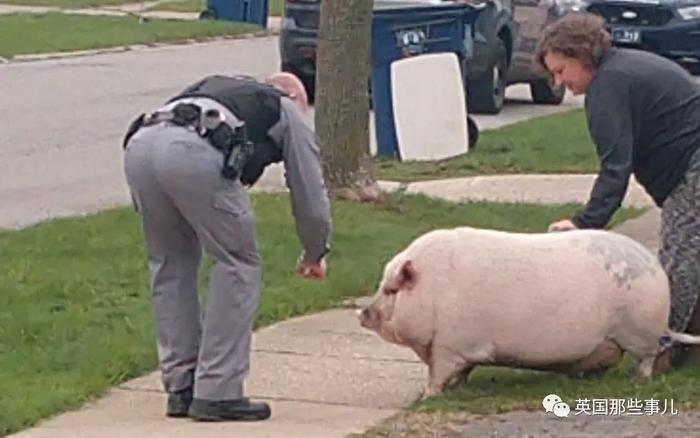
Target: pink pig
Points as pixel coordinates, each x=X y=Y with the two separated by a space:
x=464 y=297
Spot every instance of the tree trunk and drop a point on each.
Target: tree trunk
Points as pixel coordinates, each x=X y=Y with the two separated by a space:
x=342 y=102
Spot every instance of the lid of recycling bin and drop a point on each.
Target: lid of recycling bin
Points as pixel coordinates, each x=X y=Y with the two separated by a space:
x=430 y=122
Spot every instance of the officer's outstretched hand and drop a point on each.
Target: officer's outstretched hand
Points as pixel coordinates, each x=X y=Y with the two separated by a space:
x=312 y=271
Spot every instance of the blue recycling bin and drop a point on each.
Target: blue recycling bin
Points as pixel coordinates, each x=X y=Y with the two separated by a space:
x=410 y=31
x=247 y=11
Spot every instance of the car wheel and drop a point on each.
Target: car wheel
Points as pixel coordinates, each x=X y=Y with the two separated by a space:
x=488 y=93
x=542 y=92
x=473 y=130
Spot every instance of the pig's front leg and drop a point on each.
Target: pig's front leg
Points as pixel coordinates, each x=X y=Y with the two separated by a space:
x=423 y=353
x=445 y=366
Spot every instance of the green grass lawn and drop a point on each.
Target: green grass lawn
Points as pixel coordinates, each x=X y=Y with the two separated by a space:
x=67 y=4
x=550 y=144
x=492 y=389
x=75 y=316
x=275 y=7
x=496 y=390
x=29 y=33
x=181 y=6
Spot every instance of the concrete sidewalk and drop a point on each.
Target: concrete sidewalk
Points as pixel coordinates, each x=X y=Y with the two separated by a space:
x=323 y=375
x=531 y=189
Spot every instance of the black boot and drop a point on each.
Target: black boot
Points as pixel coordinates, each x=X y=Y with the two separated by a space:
x=179 y=403
x=229 y=410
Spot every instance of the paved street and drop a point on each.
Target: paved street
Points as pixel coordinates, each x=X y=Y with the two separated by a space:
x=63 y=119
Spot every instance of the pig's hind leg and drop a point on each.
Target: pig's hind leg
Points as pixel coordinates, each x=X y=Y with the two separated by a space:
x=648 y=353
x=640 y=336
x=646 y=366
x=645 y=347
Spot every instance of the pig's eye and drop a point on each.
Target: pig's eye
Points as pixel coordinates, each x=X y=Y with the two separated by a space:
x=390 y=290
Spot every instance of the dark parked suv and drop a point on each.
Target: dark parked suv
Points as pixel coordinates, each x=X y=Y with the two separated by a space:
x=506 y=33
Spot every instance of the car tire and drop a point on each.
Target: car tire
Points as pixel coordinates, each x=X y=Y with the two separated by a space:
x=487 y=93
x=543 y=93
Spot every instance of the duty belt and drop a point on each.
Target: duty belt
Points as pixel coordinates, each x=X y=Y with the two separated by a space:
x=211 y=125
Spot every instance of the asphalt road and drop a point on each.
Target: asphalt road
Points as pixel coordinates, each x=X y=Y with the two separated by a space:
x=63 y=120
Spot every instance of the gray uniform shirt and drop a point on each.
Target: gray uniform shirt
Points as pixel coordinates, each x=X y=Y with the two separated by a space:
x=304 y=178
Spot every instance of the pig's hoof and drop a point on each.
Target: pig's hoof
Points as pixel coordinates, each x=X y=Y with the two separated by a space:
x=431 y=390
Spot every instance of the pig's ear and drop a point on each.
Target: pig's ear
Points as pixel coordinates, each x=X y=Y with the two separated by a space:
x=407 y=275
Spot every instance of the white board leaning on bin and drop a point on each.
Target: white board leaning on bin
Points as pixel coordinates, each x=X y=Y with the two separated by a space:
x=430 y=113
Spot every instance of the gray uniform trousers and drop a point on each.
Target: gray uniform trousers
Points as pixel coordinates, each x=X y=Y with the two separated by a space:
x=679 y=249
x=175 y=179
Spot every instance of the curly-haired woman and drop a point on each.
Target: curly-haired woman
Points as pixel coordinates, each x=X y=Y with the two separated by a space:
x=643 y=114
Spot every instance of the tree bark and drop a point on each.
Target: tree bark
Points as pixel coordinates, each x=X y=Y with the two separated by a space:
x=342 y=101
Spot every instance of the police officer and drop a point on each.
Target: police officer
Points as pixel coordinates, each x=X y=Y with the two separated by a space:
x=190 y=194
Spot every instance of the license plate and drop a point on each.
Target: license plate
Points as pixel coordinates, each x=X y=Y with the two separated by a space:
x=626 y=35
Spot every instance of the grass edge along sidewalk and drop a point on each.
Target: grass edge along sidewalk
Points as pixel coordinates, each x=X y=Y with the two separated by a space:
x=77 y=319
x=31 y=34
